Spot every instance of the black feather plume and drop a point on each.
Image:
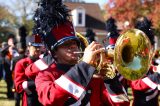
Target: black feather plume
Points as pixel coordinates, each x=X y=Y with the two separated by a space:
x=48 y=15
x=145 y=25
x=111 y=28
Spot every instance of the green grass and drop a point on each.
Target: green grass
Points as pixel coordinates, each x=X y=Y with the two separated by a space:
x=3 y=97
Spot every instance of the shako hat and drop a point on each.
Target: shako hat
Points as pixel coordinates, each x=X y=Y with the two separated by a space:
x=53 y=24
x=144 y=24
x=34 y=40
x=112 y=32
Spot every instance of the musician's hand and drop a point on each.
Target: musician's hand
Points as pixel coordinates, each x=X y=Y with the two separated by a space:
x=91 y=52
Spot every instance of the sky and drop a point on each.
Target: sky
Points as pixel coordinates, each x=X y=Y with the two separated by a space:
x=100 y=2
x=8 y=2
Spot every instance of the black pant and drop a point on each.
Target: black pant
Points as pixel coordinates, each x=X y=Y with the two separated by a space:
x=32 y=100
x=17 y=97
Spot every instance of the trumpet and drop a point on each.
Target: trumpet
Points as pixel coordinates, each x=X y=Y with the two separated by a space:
x=103 y=64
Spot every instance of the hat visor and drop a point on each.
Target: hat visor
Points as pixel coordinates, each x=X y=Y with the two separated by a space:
x=110 y=46
x=61 y=41
x=36 y=44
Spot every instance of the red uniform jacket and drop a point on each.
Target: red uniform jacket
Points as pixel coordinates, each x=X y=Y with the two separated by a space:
x=20 y=77
x=61 y=85
x=145 y=90
x=42 y=64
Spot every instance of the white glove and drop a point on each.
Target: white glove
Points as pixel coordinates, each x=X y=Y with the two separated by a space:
x=25 y=87
x=158 y=87
x=158 y=68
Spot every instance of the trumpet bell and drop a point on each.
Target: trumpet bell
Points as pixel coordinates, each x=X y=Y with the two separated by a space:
x=133 y=54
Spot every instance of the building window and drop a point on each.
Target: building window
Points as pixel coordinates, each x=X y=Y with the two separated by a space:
x=80 y=18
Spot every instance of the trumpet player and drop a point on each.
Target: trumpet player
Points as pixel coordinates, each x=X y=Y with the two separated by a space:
x=66 y=81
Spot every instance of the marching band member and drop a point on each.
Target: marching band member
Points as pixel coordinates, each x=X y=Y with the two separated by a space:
x=145 y=90
x=23 y=84
x=113 y=34
x=66 y=81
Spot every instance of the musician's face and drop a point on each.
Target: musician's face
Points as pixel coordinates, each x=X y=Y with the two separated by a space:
x=34 y=51
x=65 y=53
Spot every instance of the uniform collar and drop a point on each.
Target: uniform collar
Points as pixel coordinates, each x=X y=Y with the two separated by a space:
x=64 y=67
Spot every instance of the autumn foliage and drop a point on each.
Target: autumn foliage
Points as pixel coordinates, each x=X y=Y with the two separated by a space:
x=130 y=10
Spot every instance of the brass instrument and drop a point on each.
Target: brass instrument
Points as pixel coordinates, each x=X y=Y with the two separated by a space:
x=83 y=40
x=131 y=57
x=102 y=64
x=105 y=66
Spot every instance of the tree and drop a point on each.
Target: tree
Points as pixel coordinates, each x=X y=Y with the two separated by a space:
x=155 y=16
x=123 y=10
x=6 y=17
x=130 y=10
x=7 y=20
x=23 y=10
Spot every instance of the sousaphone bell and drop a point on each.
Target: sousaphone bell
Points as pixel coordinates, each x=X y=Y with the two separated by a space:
x=133 y=54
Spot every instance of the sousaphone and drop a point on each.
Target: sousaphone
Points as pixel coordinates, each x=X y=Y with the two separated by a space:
x=133 y=54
